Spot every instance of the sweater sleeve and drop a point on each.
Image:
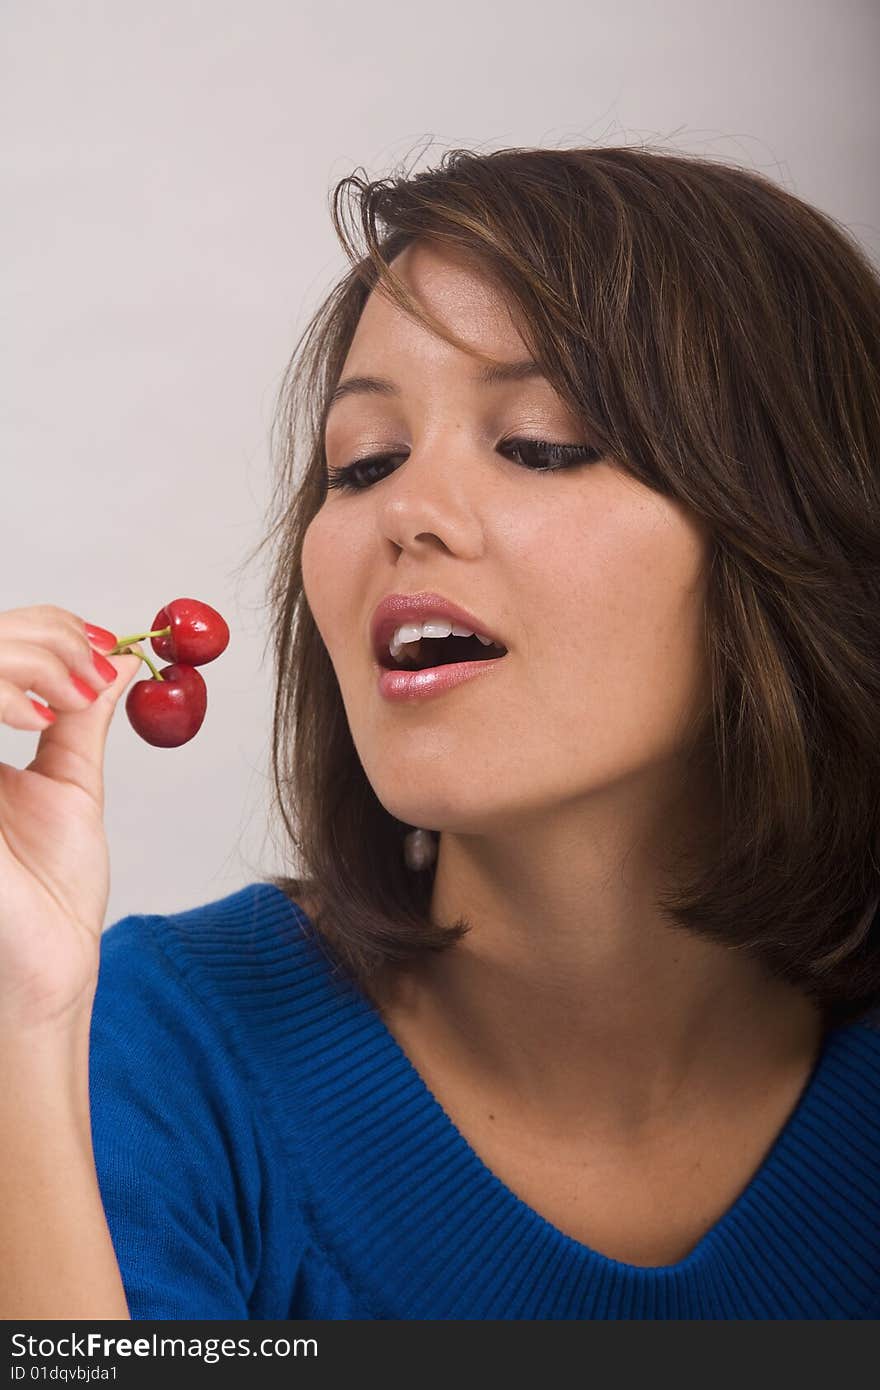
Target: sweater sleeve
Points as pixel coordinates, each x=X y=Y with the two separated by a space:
x=177 y=1150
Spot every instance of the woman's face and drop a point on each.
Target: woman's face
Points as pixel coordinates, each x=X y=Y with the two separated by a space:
x=593 y=582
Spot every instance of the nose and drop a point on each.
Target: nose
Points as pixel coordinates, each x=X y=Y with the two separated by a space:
x=428 y=497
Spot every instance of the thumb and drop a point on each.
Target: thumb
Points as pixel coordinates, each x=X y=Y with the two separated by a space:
x=72 y=749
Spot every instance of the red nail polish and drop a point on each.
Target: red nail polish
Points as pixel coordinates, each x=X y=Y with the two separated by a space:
x=84 y=689
x=44 y=711
x=103 y=667
x=100 y=637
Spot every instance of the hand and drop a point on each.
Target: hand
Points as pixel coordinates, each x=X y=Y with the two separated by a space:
x=54 y=861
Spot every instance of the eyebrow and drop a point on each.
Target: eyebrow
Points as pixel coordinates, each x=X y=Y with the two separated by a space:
x=491 y=375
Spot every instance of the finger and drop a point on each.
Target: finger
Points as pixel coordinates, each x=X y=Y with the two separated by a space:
x=20 y=711
x=43 y=623
x=63 y=672
x=54 y=630
x=72 y=749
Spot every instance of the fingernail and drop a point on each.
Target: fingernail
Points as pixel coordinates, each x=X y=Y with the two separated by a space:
x=103 y=666
x=84 y=689
x=44 y=711
x=100 y=637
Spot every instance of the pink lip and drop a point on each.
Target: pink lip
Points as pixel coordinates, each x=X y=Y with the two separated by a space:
x=417 y=685
x=396 y=609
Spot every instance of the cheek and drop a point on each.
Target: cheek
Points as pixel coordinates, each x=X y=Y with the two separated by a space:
x=310 y=565
x=335 y=575
x=610 y=624
x=323 y=575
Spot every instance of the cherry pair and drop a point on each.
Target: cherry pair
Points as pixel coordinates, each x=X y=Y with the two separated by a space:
x=169 y=708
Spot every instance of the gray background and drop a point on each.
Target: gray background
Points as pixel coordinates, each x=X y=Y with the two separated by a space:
x=166 y=172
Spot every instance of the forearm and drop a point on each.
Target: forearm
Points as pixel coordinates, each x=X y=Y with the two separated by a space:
x=58 y=1258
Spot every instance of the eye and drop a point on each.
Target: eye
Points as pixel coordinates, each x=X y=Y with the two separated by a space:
x=560 y=454
x=351 y=478
x=348 y=479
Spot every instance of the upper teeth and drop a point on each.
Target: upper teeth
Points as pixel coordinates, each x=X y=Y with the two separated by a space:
x=414 y=632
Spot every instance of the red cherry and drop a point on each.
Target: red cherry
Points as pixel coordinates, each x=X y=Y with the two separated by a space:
x=198 y=633
x=168 y=712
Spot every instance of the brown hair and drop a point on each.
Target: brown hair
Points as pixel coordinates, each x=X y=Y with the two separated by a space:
x=719 y=338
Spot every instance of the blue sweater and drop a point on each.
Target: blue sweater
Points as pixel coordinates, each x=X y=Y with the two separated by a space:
x=265 y=1149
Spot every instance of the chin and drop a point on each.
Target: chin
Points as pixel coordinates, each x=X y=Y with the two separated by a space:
x=429 y=814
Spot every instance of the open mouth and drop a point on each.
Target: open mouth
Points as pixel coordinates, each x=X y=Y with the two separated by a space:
x=440 y=651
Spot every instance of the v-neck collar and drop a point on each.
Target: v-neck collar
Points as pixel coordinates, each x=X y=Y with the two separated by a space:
x=438 y=1228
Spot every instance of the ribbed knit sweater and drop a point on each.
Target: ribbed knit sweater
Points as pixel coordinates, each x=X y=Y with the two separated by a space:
x=266 y=1149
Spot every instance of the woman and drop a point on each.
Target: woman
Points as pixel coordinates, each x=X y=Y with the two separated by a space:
x=571 y=1008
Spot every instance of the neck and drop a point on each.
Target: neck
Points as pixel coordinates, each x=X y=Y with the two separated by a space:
x=576 y=999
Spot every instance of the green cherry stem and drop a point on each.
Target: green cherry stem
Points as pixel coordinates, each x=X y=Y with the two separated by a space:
x=135 y=650
x=137 y=637
x=125 y=643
